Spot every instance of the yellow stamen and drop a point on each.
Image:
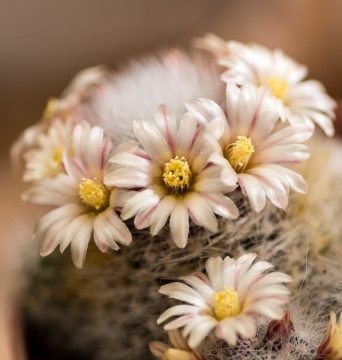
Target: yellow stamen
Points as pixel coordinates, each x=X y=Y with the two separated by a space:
x=57 y=155
x=278 y=86
x=227 y=303
x=177 y=175
x=94 y=194
x=239 y=153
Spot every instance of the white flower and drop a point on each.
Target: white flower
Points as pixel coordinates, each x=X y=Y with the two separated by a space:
x=303 y=101
x=212 y=43
x=227 y=300
x=255 y=149
x=64 y=108
x=85 y=205
x=179 y=348
x=178 y=176
x=46 y=159
x=331 y=347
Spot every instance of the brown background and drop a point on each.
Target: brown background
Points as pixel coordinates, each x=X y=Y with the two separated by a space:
x=43 y=43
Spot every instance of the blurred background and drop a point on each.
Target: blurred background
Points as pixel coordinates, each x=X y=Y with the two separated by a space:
x=44 y=43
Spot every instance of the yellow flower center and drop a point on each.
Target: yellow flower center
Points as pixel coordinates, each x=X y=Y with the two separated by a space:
x=227 y=303
x=177 y=175
x=57 y=155
x=239 y=153
x=94 y=194
x=278 y=86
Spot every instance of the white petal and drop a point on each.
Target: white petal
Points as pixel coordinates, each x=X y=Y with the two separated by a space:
x=200 y=213
x=141 y=201
x=153 y=142
x=143 y=219
x=242 y=264
x=70 y=232
x=214 y=270
x=180 y=291
x=79 y=243
x=127 y=178
x=204 y=110
x=253 y=190
x=130 y=146
x=167 y=125
x=177 y=310
x=186 y=133
x=201 y=287
x=221 y=205
x=201 y=331
x=162 y=213
x=179 y=224
x=157 y=348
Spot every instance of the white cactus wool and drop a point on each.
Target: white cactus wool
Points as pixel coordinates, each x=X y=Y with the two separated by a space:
x=219 y=172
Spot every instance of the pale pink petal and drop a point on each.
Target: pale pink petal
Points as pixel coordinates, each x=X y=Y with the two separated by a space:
x=251 y=277
x=119 y=197
x=143 y=219
x=291 y=154
x=103 y=237
x=153 y=142
x=179 y=224
x=201 y=331
x=177 y=310
x=228 y=274
x=69 y=210
x=268 y=308
x=69 y=233
x=214 y=266
x=201 y=287
x=180 y=291
x=79 y=141
x=127 y=178
x=116 y=227
x=162 y=213
x=200 y=213
x=253 y=190
x=221 y=205
x=179 y=322
x=167 y=125
x=216 y=128
x=226 y=330
x=137 y=163
x=242 y=264
x=80 y=240
x=130 y=146
x=205 y=110
x=273 y=187
x=186 y=133
x=290 y=135
x=140 y=202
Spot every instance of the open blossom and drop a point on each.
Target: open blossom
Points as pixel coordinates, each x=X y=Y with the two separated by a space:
x=46 y=158
x=227 y=300
x=302 y=101
x=257 y=151
x=179 y=348
x=86 y=206
x=331 y=347
x=178 y=176
x=63 y=108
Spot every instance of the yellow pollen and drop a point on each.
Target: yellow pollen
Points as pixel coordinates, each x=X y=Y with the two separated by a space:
x=278 y=86
x=94 y=194
x=177 y=175
x=57 y=155
x=239 y=153
x=227 y=303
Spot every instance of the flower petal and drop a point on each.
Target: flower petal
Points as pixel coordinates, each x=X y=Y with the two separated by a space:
x=167 y=125
x=162 y=213
x=253 y=190
x=179 y=224
x=221 y=205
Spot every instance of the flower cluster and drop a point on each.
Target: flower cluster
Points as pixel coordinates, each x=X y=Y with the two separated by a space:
x=178 y=172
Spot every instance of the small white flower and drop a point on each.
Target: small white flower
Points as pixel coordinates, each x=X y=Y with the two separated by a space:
x=179 y=348
x=86 y=205
x=46 y=159
x=178 y=175
x=64 y=108
x=257 y=151
x=303 y=101
x=227 y=300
